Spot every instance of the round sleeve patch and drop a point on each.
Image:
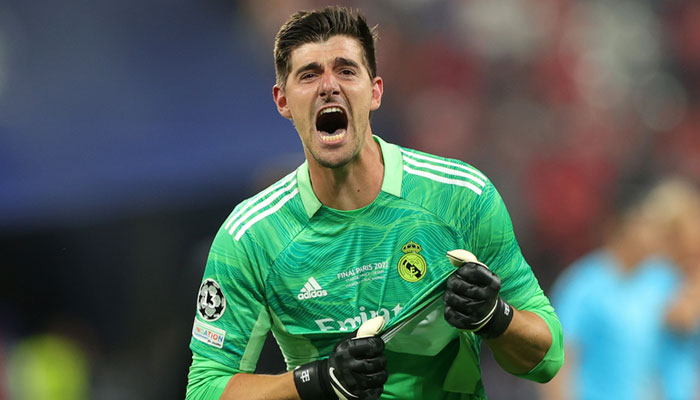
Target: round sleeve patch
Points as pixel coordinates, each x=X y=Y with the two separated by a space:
x=211 y=302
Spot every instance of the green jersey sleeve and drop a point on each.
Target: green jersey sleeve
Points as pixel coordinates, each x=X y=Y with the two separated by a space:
x=207 y=379
x=467 y=200
x=493 y=242
x=491 y=237
x=232 y=319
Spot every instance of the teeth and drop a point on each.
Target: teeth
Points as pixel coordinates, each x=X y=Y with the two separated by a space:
x=332 y=138
x=330 y=110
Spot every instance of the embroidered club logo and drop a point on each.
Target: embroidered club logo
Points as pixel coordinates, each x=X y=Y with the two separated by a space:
x=412 y=266
x=211 y=302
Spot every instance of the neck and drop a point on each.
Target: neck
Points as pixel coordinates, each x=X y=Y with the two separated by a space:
x=353 y=185
x=628 y=255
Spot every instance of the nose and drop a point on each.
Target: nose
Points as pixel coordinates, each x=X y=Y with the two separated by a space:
x=329 y=85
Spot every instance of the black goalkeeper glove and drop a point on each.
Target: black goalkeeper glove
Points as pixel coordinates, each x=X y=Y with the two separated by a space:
x=472 y=302
x=355 y=370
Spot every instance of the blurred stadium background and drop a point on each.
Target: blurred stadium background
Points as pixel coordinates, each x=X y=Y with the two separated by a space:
x=130 y=129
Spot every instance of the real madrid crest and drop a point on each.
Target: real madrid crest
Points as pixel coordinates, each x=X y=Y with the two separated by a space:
x=412 y=266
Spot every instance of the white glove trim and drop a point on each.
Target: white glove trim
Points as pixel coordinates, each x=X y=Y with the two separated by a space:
x=340 y=391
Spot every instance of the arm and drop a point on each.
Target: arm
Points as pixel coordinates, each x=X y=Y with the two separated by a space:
x=524 y=332
x=523 y=344
x=559 y=388
x=231 y=322
x=255 y=386
x=208 y=379
x=355 y=369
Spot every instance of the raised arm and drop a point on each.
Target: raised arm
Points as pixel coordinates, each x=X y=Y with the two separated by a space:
x=255 y=386
x=518 y=339
x=356 y=369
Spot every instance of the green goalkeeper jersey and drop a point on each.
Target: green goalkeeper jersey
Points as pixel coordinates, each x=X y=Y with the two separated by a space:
x=284 y=262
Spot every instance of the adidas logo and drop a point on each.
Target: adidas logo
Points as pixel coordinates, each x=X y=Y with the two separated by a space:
x=311 y=290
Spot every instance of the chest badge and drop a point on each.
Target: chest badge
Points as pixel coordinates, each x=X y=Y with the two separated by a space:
x=412 y=266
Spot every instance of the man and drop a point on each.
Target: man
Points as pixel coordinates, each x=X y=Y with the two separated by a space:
x=357 y=236
x=634 y=334
x=679 y=363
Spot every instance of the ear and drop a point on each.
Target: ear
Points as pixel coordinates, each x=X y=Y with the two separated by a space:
x=281 y=102
x=377 y=91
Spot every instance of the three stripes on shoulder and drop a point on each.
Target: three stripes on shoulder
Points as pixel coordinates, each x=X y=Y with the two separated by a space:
x=273 y=198
x=261 y=206
x=464 y=175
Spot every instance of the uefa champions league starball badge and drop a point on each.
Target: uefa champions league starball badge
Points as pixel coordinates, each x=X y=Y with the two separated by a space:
x=211 y=302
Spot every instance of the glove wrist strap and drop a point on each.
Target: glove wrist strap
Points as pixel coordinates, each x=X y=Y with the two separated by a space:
x=499 y=322
x=311 y=381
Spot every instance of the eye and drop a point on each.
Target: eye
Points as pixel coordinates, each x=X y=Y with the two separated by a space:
x=306 y=76
x=347 y=72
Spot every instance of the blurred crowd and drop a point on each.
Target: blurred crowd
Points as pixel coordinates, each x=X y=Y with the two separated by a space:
x=555 y=100
x=559 y=102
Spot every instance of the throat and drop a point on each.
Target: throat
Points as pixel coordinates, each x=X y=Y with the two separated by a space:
x=349 y=199
x=353 y=185
x=348 y=188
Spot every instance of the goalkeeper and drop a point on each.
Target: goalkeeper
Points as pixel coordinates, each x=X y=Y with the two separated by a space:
x=353 y=242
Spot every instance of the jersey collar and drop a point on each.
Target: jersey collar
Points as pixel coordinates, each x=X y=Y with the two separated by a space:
x=391 y=183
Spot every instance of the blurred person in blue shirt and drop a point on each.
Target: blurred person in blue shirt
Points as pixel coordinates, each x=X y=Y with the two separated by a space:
x=630 y=309
x=679 y=353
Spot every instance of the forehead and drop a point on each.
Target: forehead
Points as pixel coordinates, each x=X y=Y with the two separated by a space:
x=326 y=52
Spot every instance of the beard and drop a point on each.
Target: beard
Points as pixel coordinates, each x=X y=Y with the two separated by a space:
x=334 y=163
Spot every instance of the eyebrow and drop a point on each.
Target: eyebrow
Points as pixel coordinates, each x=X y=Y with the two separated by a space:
x=312 y=66
x=344 y=62
x=338 y=62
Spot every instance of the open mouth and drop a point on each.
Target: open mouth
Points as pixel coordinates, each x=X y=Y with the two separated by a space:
x=332 y=123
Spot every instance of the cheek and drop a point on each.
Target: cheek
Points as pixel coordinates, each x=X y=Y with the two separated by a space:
x=300 y=102
x=362 y=103
x=300 y=115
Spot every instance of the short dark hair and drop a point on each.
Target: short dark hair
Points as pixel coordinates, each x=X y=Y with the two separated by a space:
x=318 y=26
